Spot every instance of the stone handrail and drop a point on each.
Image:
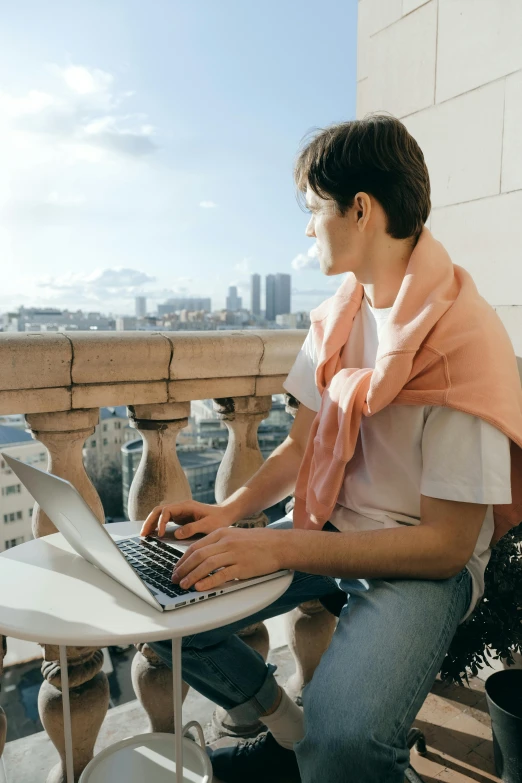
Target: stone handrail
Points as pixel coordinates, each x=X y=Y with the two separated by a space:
x=60 y=381
x=44 y=372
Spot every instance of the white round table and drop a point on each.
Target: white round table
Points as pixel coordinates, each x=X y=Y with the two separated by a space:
x=49 y=594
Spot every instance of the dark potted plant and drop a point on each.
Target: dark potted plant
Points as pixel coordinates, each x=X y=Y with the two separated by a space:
x=496 y=623
x=494 y=630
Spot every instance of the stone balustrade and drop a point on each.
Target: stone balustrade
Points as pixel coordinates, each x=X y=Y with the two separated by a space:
x=60 y=381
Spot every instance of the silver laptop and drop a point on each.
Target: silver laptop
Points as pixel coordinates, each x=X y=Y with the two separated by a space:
x=142 y=564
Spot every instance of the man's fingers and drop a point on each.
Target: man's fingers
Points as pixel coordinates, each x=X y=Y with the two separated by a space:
x=204 y=569
x=165 y=517
x=150 y=523
x=196 y=554
x=220 y=577
x=161 y=515
x=205 y=525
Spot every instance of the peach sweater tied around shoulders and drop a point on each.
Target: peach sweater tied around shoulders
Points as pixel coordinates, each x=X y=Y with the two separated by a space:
x=443 y=344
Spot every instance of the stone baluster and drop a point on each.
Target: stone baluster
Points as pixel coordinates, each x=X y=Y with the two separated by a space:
x=243 y=458
x=89 y=700
x=159 y=479
x=64 y=433
x=309 y=627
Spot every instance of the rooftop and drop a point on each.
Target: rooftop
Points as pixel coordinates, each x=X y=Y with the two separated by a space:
x=9 y=436
x=114 y=412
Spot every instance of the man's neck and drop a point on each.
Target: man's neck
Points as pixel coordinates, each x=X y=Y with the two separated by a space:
x=384 y=272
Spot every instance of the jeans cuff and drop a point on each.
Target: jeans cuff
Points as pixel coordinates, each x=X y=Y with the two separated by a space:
x=260 y=703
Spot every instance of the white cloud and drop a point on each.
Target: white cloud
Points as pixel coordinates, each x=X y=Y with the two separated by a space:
x=307 y=261
x=312 y=251
x=85 y=81
x=99 y=285
x=32 y=103
x=64 y=199
x=80 y=121
x=207 y=204
x=304 y=262
x=111 y=134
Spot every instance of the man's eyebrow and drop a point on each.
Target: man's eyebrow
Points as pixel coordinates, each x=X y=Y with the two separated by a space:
x=309 y=206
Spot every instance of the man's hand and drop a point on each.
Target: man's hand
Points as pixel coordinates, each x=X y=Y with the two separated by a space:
x=238 y=553
x=195 y=518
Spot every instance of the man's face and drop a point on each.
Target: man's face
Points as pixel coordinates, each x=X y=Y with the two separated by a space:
x=338 y=240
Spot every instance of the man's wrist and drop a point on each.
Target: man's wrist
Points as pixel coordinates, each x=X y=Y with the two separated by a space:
x=231 y=510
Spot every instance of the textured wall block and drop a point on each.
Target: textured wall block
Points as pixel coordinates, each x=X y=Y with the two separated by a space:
x=34 y=361
x=485 y=237
x=401 y=64
x=411 y=5
x=113 y=357
x=455 y=136
x=376 y=14
x=478 y=41
x=511 y=317
x=512 y=154
x=214 y=354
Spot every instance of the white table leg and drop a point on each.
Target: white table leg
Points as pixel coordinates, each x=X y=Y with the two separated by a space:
x=67 y=729
x=178 y=718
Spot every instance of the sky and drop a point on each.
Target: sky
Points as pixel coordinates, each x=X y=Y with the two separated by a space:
x=148 y=148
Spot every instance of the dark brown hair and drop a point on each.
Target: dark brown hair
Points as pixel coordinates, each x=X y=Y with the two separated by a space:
x=375 y=155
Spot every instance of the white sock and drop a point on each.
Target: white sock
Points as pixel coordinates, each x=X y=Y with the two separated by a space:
x=286 y=723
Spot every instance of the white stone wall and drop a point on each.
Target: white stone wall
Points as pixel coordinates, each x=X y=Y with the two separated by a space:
x=451 y=70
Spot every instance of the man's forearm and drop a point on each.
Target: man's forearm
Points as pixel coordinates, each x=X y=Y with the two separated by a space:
x=409 y=552
x=273 y=482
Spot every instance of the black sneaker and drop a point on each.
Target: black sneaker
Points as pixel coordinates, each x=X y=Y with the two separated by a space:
x=256 y=760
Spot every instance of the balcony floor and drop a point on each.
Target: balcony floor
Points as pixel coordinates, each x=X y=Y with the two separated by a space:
x=455 y=721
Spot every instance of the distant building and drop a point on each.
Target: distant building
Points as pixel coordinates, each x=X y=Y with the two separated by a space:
x=277 y=295
x=48 y=319
x=255 y=294
x=104 y=445
x=176 y=304
x=126 y=323
x=16 y=504
x=141 y=306
x=233 y=300
x=270 y=298
x=282 y=293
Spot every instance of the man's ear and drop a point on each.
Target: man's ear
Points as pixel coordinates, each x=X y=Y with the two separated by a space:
x=363 y=207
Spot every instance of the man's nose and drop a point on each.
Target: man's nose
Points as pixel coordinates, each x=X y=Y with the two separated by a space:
x=310 y=231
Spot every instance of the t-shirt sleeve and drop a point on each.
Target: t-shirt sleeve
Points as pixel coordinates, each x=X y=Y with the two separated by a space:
x=300 y=381
x=464 y=458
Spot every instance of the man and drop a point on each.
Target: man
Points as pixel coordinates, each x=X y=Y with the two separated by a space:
x=402 y=555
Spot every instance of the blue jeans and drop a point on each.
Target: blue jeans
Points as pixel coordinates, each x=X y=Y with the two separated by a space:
x=385 y=653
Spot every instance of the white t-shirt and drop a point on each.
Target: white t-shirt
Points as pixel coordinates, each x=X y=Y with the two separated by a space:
x=404 y=451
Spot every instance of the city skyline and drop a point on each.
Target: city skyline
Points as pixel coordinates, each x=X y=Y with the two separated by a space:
x=157 y=159
x=277 y=301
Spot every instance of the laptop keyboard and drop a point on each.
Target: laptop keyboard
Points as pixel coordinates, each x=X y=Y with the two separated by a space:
x=154 y=562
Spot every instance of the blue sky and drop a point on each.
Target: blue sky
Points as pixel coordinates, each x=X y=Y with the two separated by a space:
x=148 y=147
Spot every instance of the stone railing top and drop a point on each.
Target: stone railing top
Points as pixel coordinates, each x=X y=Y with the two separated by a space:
x=64 y=371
